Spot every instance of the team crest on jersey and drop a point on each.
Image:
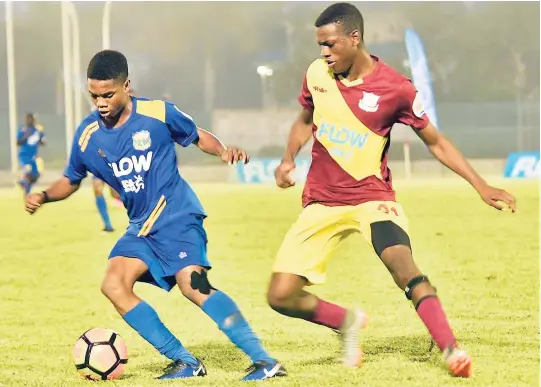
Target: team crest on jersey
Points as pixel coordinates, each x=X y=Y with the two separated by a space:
x=141 y=140
x=369 y=102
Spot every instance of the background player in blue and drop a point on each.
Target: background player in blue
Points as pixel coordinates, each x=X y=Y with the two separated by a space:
x=129 y=143
x=29 y=138
x=101 y=204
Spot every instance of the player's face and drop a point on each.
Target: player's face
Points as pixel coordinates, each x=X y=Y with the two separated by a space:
x=337 y=48
x=109 y=96
x=29 y=121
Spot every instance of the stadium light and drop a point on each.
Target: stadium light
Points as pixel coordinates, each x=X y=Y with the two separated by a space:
x=265 y=71
x=11 y=88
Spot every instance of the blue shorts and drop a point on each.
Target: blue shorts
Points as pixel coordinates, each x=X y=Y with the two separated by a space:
x=166 y=251
x=29 y=167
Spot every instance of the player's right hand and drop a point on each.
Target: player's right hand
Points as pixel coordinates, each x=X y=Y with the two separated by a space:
x=282 y=174
x=33 y=202
x=495 y=196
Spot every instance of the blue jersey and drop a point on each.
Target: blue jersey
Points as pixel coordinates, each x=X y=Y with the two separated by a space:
x=29 y=149
x=139 y=161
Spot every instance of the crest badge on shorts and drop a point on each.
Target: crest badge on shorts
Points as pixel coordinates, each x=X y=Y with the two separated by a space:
x=141 y=140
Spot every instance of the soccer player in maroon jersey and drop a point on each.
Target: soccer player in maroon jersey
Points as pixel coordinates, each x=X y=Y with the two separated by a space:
x=350 y=101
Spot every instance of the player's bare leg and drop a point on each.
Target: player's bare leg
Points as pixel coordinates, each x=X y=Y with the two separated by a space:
x=116 y=198
x=120 y=277
x=286 y=295
x=117 y=286
x=194 y=285
x=399 y=261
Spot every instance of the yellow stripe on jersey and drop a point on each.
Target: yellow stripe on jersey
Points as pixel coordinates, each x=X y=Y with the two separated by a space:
x=87 y=132
x=153 y=217
x=152 y=109
x=350 y=143
x=39 y=127
x=87 y=139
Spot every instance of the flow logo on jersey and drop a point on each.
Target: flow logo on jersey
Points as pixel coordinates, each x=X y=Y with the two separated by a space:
x=127 y=165
x=342 y=136
x=341 y=143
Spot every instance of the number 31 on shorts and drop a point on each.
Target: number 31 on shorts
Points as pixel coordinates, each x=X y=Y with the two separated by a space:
x=385 y=208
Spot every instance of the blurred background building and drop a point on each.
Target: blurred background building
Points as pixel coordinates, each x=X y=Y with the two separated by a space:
x=237 y=67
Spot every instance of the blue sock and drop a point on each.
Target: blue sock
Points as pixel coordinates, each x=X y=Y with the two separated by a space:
x=226 y=314
x=102 y=208
x=146 y=322
x=26 y=186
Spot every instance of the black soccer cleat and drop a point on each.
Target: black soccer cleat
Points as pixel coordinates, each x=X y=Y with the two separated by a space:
x=181 y=370
x=262 y=370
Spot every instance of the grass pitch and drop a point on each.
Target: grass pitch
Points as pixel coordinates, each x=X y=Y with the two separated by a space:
x=484 y=263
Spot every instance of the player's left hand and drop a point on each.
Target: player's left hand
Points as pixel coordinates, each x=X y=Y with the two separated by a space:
x=493 y=196
x=233 y=155
x=33 y=202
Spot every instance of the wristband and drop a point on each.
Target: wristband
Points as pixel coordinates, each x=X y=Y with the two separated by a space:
x=46 y=198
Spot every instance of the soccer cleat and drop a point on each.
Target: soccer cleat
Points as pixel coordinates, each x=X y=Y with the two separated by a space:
x=458 y=362
x=262 y=370
x=107 y=229
x=352 y=353
x=181 y=370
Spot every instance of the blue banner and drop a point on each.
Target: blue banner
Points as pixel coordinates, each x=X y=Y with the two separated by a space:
x=421 y=74
x=523 y=165
x=261 y=170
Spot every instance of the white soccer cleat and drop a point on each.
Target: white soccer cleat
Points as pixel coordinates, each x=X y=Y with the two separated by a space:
x=458 y=362
x=352 y=352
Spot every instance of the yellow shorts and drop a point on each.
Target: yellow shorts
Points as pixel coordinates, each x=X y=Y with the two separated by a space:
x=319 y=229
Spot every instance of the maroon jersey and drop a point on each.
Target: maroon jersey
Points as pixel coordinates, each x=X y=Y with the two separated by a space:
x=352 y=125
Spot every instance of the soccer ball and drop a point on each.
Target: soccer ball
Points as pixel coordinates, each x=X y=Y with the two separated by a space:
x=100 y=354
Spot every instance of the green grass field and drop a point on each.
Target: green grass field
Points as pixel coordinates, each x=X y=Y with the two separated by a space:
x=484 y=263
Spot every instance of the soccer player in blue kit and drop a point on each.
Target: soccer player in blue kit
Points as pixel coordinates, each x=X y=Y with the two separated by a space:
x=129 y=143
x=29 y=138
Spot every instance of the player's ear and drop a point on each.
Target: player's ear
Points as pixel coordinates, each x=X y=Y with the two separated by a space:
x=127 y=85
x=355 y=37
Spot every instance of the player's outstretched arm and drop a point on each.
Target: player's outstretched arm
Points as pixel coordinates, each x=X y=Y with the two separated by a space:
x=210 y=144
x=452 y=158
x=300 y=133
x=60 y=190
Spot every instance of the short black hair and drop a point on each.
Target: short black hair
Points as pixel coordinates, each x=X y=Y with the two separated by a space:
x=108 y=64
x=345 y=14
